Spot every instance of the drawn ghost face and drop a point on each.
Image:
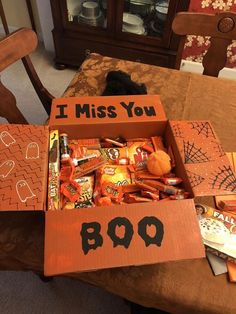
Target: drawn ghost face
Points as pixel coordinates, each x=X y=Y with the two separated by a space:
x=6 y=168
x=24 y=191
x=6 y=138
x=32 y=151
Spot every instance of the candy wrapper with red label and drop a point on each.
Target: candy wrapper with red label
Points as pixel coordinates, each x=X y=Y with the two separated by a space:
x=86 y=194
x=137 y=155
x=71 y=190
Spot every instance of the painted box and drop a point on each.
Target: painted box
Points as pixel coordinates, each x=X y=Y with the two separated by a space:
x=134 y=234
x=23 y=167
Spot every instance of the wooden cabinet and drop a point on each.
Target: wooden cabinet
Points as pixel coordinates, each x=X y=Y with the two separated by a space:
x=137 y=30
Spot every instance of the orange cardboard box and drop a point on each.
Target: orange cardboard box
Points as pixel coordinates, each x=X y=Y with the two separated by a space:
x=23 y=167
x=120 y=235
x=134 y=234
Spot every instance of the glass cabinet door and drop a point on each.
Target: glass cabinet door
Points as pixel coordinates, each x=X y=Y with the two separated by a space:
x=145 y=17
x=91 y=13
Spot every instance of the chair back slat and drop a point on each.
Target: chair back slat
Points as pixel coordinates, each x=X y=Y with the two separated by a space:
x=221 y=27
x=17 y=45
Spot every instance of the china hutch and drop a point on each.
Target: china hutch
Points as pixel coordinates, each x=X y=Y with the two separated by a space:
x=137 y=30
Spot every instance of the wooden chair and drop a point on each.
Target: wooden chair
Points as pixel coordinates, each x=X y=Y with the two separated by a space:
x=221 y=27
x=18 y=45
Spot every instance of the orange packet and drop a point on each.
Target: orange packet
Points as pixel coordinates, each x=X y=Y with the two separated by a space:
x=89 y=166
x=90 y=143
x=112 y=190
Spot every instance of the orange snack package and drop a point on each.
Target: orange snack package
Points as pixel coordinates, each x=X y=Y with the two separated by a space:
x=71 y=190
x=137 y=155
x=85 y=199
x=112 y=190
x=113 y=154
x=117 y=174
x=110 y=176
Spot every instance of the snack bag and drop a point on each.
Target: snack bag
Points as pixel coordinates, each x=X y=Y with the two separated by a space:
x=137 y=155
x=86 y=184
x=108 y=180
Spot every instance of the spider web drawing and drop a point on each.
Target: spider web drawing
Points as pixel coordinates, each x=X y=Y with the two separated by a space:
x=203 y=128
x=224 y=179
x=219 y=149
x=193 y=154
x=194 y=179
x=177 y=131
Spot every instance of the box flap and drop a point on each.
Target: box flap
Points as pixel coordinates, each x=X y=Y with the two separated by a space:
x=206 y=164
x=116 y=112
x=23 y=167
x=122 y=235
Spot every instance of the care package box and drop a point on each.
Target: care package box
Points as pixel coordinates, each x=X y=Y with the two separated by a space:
x=85 y=239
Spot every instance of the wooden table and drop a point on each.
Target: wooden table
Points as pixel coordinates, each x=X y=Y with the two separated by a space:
x=176 y=287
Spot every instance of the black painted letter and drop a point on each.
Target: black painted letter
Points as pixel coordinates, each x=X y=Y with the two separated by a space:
x=62 y=112
x=128 y=108
x=142 y=230
x=129 y=231
x=94 y=235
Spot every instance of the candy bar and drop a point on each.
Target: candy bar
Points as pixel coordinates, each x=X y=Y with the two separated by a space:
x=90 y=143
x=54 y=172
x=112 y=190
x=144 y=186
x=162 y=187
x=71 y=190
x=151 y=195
x=135 y=198
x=114 y=142
x=86 y=194
x=137 y=155
x=77 y=151
x=145 y=174
x=89 y=166
x=130 y=188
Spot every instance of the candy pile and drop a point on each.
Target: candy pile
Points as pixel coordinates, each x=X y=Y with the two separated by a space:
x=98 y=172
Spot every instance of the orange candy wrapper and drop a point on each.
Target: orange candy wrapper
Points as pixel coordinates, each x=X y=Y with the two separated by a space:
x=109 y=182
x=89 y=166
x=137 y=155
x=71 y=190
x=86 y=195
x=113 y=191
x=90 y=143
x=117 y=174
